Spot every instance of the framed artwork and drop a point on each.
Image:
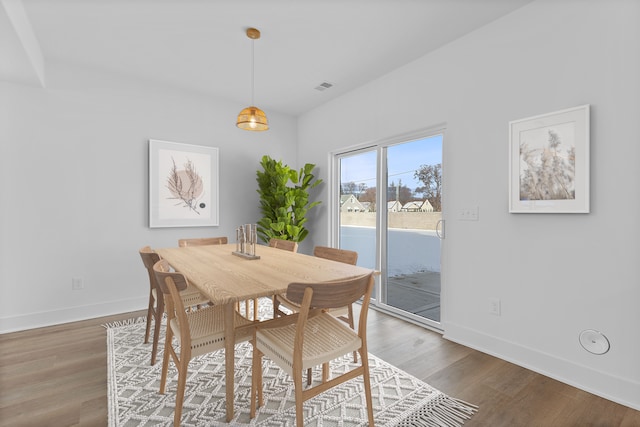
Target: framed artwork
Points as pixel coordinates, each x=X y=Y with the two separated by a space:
x=549 y=162
x=183 y=185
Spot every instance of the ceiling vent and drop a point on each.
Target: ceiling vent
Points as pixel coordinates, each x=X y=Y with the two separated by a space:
x=323 y=86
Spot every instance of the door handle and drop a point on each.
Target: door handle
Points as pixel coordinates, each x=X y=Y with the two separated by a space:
x=440 y=232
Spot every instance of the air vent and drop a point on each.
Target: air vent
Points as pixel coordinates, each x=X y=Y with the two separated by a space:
x=323 y=86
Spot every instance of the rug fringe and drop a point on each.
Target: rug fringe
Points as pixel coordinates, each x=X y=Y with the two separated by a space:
x=445 y=411
x=126 y=322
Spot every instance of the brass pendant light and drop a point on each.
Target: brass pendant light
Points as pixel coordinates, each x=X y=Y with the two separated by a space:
x=252 y=118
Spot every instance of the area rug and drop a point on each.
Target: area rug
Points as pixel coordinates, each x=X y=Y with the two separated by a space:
x=398 y=398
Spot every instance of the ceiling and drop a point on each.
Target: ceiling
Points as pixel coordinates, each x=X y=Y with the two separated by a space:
x=201 y=46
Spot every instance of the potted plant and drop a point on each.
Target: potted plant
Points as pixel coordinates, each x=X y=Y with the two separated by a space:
x=284 y=200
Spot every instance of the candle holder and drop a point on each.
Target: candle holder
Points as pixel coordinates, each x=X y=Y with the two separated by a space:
x=246 y=239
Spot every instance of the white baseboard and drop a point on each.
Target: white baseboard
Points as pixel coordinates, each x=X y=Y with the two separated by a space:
x=616 y=389
x=72 y=314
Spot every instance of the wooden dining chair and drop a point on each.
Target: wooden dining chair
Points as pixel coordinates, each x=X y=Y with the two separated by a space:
x=197 y=332
x=343 y=313
x=334 y=254
x=287 y=245
x=348 y=257
x=221 y=240
x=203 y=241
x=191 y=297
x=314 y=337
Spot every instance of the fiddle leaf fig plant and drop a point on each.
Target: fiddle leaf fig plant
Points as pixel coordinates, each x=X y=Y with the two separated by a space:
x=284 y=200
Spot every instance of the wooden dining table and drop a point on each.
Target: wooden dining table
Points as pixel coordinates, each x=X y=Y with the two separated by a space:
x=226 y=279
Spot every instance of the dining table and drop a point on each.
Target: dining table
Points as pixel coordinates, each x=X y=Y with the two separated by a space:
x=226 y=278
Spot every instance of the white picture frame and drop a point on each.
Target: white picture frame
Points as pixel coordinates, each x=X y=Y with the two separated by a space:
x=183 y=185
x=549 y=162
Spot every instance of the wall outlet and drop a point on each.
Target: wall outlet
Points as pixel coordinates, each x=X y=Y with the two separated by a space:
x=77 y=283
x=494 y=306
x=469 y=213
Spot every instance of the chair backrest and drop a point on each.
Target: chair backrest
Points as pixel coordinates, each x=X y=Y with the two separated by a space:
x=334 y=294
x=170 y=283
x=163 y=273
x=340 y=255
x=149 y=258
x=287 y=245
x=222 y=240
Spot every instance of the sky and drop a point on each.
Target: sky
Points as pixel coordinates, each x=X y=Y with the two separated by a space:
x=402 y=162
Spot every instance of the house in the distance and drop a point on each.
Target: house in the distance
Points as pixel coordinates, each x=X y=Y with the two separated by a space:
x=394 y=206
x=426 y=206
x=349 y=203
x=417 y=206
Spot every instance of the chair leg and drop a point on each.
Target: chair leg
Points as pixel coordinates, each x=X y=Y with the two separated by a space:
x=165 y=359
x=349 y=321
x=351 y=324
x=158 y=313
x=149 y=316
x=256 y=381
x=367 y=384
x=297 y=382
x=309 y=376
x=276 y=307
x=260 y=387
x=156 y=336
x=182 y=382
x=325 y=372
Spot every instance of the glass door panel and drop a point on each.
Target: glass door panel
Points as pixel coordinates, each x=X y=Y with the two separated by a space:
x=358 y=207
x=414 y=194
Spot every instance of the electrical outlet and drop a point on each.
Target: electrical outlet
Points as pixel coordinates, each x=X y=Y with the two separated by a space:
x=469 y=213
x=494 y=306
x=77 y=283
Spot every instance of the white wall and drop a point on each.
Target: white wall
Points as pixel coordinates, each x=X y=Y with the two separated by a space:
x=556 y=274
x=74 y=186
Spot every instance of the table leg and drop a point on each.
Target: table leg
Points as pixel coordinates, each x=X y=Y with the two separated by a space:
x=229 y=355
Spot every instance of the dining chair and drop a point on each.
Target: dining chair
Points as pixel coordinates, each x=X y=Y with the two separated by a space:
x=343 y=313
x=287 y=245
x=191 y=297
x=222 y=240
x=334 y=254
x=348 y=257
x=314 y=337
x=203 y=241
x=197 y=332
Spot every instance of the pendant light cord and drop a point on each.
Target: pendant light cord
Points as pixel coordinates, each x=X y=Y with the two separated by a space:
x=253 y=59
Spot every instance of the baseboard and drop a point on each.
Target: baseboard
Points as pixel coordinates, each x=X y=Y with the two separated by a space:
x=616 y=389
x=73 y=314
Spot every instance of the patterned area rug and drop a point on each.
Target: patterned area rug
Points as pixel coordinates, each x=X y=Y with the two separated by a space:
x=399 y=399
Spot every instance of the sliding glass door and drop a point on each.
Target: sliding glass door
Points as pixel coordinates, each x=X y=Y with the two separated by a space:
x=357 y=212
x=390 y=206
x=413 y=211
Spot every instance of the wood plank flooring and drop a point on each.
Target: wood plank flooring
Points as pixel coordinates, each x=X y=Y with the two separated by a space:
x=57 y=376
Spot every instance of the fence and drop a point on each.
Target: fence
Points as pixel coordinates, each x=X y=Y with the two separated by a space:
x=403 y=220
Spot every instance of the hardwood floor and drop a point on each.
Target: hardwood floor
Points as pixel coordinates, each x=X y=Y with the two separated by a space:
x=57 y=376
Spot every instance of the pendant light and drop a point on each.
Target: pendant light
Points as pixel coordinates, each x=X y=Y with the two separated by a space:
x=252 y=118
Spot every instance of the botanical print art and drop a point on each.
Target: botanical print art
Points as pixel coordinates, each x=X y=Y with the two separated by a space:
x=185 y=186
x=185 y=190
x=548 y=163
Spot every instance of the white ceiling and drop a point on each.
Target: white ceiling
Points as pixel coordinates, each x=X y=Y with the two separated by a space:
x=200 y=45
